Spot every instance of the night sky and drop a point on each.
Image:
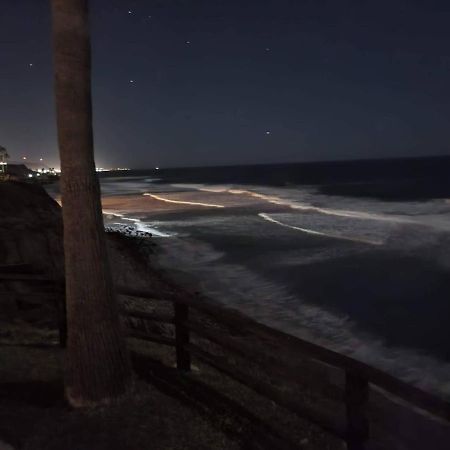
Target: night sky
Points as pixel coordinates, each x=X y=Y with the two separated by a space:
x=206 y=82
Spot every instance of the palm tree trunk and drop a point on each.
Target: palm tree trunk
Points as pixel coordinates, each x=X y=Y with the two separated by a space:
x=97 y=363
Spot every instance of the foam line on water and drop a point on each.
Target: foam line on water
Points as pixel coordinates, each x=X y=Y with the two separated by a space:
x=307 y=207
x=267 y=217
x=434 y=214
x=266 y=301
x=140 y=226
x=181 y=202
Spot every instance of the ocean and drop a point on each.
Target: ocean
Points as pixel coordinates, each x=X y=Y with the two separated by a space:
x=351 y=255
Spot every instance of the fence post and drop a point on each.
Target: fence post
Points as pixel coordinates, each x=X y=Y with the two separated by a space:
x=182 y=336
x=356 y=398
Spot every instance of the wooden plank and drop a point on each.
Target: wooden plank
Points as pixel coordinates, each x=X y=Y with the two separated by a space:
x=414 y=427
x=411 y=394
x=32 y=296
x=248 y=427
x=356 y=398
x=26 y=277
x=157 y=317
x=407 y=392
x=16 y=268
x=304 y=411
x=122 y=290
x=182 y=337
x=270 y=365
x=53 y=345
x=151 y=337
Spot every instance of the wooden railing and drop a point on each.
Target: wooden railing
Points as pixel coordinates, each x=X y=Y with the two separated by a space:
x=360 y=378
x=27 y=274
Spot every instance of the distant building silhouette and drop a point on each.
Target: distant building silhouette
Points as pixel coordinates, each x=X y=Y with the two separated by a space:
x=3 y=161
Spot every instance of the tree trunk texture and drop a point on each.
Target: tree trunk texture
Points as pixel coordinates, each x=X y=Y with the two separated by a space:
x=97 y=363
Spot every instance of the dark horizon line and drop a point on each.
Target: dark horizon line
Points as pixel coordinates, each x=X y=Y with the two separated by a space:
x=316 y=162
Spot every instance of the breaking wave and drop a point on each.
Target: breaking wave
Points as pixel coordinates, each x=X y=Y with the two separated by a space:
x=269 y=218
x=238 y=287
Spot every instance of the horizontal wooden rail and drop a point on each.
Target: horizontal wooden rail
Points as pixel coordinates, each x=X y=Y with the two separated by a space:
x=302 y=410
x=272 y=366
x=151 y=337
x=156 y=317
x=251 y=429
x=32 y=296
x=360 y=378
x=121 y=290
x=385 y=381
x=30 y=277
x=16 y=268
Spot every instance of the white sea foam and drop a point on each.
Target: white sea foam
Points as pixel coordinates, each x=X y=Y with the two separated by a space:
x=182 y=202
x=318 y=233
x=434 y=214
x=138 y=224
x=413 y=227
x=268 y=302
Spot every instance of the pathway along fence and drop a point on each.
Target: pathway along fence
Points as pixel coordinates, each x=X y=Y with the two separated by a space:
x=360 y=379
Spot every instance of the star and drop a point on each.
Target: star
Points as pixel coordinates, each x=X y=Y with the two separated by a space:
x=130 y=12
x=188 y=42
x=268 y=132
x=267 y=49
x=31 y=64
x=131 y=81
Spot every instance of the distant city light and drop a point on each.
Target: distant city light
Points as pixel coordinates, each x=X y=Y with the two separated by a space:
x=111 y=169
x=41 y=159
x=156 y=168
x=24 y=157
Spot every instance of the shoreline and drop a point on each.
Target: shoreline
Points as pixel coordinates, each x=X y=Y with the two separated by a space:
x=136 y=262
x=293 y=297
x=310 y=319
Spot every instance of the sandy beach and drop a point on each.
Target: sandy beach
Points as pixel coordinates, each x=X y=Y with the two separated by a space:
x=359 y=281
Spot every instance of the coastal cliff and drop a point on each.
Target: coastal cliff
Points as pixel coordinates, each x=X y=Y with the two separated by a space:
x=31 y=233
x=30 y=228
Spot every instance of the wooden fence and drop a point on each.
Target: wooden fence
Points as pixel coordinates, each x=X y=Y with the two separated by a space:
x=360 y=378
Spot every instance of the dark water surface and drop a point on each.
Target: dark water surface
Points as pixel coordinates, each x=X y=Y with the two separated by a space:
x=353 y=255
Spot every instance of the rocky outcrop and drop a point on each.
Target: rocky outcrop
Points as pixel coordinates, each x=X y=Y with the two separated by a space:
x=31 y=233
x=30 y=228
